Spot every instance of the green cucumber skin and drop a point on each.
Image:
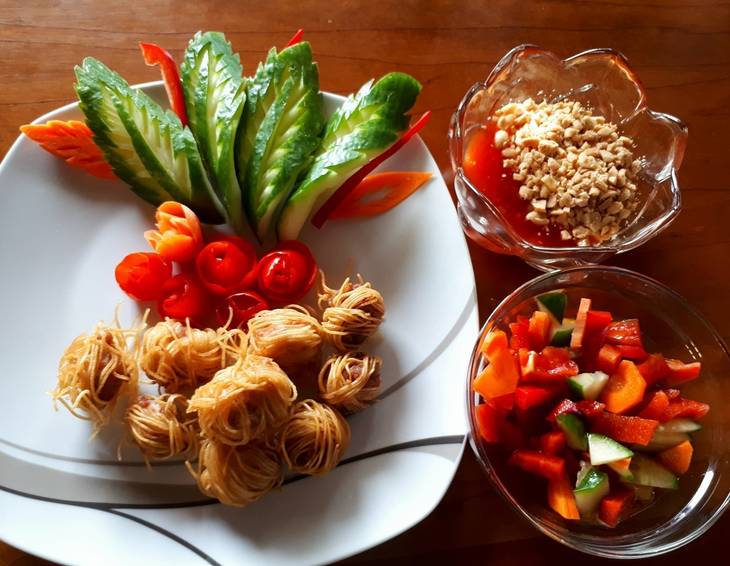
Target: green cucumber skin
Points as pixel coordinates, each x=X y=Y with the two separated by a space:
x=366 y=125
x=588 y=385
x=590 y=491
x=561 y=337
x=554 y=304
x=282 y=127
x=599 y=446
x=650 y=473
x=574 y=430
x=106 y=98
x=215 y=93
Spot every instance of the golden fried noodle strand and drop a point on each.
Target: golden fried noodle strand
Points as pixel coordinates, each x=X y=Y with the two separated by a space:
x=350 y=382
x=291 y=336
x=314 y=439
x=246 y=401
x=236 y=475
x=180 y=358
x=160 y=427
x=351 y=314
x=95 y=371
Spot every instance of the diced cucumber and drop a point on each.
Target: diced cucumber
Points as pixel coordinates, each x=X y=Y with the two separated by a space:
x=561 y=334
x=663 y=439
x=553 y=304
x=590 y=491
x=588 y=385
x=366 y=125
x=650 y=473
x=680 y=425
x=643 y=493
x=147 y=147
x=583 y=469
x=604 y=450
x=624 y=473
x=575 y=432
x=215 y=91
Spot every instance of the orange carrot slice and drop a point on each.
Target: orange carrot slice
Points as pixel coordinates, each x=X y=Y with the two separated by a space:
x=678 y=458
x=72 y=141
x=625 y=389
x=380 y=192
x=561 y=498
x=500 y=377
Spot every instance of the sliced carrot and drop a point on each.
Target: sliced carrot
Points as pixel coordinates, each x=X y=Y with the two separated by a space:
x=494 y=341
x=561 y=498
x=499 y=378
x=625 y=388
x=615 y=506
x=576 y=338
x=621 y=465
x=379 y=192
x=539 y=330
x=677 y=458
x=72 y=141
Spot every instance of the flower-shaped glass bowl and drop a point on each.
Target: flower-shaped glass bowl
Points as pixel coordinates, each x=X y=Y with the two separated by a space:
x=671 y=326
x=601 y=80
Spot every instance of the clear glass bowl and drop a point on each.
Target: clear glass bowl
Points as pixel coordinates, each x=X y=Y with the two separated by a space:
x=671 y=326
x=602 y=80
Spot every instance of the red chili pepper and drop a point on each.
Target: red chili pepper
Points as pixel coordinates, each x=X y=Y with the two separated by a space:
x=287 y=273
x=156 y=55
x=349 y=185
x=239 y=308
x=227 y=265
x=296 y=38
x=183 y=297
x=142 y=275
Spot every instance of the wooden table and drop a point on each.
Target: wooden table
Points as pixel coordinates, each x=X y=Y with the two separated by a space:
x=681 y=50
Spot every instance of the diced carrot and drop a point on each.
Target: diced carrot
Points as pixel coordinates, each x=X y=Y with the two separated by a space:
x=622 y=464
x=653 y=369
x=550 y=467
x=608 y=358
x=487 y=418
x=552 y=443
x=681 y=373
x=72 y=141
x=656 y=405
x=685 y=408
x=561 y=498
x=539 y=329
x=501 y=375
x=505 y=402
x=615 y=506
x=678 y=458
x=576 y=338
x=624 y=389
x=634 y=430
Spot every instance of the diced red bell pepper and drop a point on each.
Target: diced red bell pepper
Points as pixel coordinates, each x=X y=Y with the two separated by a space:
x=530 y=396
x=576 y=337
x=624 y=390
x=681 y=373
x=539 y=329
x=616 y=505
x=589 y=409
x=487 y=418
x=511 y=435
x=520 y=333
x=672 y=393
x=653 y=369
x=634 y=430
x=597 y=321
x=504 y=402
x=685 y=408
x=550 y=467
x=547 y=366
x=561 y=498
x=553 y=442
x=624 y=333
x=655 y=406
x=636 y=353
x=608 y=358
x=565 y=406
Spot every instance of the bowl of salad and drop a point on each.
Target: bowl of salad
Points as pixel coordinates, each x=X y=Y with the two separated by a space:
x=593 y=399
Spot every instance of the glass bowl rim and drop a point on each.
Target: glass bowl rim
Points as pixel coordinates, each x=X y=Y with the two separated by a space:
x=593 y=545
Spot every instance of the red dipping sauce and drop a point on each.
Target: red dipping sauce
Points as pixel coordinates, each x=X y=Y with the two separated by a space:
x=483 y=167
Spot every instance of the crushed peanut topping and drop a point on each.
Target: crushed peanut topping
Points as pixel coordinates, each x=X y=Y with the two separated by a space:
x=575 y=169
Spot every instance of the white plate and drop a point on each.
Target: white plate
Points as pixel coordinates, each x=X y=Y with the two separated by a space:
x=68 y=499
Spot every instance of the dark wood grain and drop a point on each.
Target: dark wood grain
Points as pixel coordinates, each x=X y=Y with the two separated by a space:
x=681 y=50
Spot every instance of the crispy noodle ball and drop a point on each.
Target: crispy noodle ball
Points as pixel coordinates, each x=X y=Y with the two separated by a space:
x=351 y=314
x=160 y=427
x=236 y=475
x=314 y=438
x=95 y=371
x=291 y=336
x=179 y=358
x=350 y=381
x=246 y=401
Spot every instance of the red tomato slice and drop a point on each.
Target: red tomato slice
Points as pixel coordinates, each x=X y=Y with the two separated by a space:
x=183 y=297
x=287 y=273
x=141 y=275
x=239 y=308
x=227 y=265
